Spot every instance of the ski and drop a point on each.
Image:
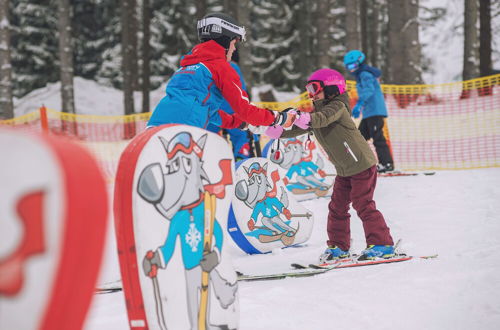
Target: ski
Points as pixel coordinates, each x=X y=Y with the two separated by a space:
x=354 y=262
x=246 y=277
x=289 y=274
x=398 y=173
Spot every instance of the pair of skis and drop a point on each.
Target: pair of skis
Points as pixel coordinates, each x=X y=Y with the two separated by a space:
x=303 y=270
x=306 y=270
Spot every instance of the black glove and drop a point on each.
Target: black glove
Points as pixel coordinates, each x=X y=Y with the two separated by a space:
x=209 y=261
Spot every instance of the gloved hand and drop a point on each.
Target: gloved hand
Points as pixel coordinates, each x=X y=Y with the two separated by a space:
x=209 y=261
x=285 y=118
x=287 y=213
x=356 y=111
x=151 y=263
x=303 y=120
x=274 y=132
x=251 y=224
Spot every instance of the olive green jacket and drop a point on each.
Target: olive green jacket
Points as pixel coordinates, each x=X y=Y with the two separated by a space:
x=335 y=130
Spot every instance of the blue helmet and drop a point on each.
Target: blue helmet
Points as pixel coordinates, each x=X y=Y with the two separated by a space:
x=353 y=59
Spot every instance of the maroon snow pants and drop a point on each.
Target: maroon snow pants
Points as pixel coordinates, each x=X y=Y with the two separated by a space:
x=359 y=190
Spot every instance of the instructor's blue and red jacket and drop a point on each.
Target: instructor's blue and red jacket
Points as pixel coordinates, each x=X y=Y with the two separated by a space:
x=197 y=90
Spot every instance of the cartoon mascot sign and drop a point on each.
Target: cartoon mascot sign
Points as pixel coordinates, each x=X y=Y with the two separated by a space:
x=53 y=218
x=172 y=197
x=302 y=163
x=263 y=214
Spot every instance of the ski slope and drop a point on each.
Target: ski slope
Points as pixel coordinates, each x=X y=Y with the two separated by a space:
x=453 y=213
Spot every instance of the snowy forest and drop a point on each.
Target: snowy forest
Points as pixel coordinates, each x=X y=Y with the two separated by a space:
x=136 y=45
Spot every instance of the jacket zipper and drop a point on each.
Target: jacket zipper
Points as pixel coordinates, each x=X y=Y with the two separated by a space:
x=350 y=151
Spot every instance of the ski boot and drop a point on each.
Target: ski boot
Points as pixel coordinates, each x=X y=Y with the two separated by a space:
x=333 y=253
x=383 y=168
x=377 y=251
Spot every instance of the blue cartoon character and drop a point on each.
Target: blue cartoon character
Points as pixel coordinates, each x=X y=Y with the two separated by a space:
x=183 y=195
x=296 y=158
x=260 y=195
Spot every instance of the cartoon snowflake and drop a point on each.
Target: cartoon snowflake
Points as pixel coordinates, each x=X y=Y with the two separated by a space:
x=193 y=237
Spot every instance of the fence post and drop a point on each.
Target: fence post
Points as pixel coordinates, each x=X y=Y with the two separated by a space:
x=43 y=119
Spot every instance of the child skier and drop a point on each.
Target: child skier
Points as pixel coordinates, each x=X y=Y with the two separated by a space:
x=354 y=161
x=372 y=104
x=205 y=79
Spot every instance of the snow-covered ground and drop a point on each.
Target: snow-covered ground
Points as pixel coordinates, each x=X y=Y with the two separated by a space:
x=455 y=214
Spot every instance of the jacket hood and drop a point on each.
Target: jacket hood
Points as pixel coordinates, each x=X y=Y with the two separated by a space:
x=206 y=51
x=364 y=67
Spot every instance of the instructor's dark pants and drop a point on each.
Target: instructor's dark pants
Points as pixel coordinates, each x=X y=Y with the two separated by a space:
x=372 y=128
x=359 y=190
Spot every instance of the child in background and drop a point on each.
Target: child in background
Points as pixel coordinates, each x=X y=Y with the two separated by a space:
x=371 y=104
x=354 y=161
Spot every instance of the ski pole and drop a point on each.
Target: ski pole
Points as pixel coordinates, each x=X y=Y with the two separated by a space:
x=306 y=215
x=209 y=220
x=159 y=308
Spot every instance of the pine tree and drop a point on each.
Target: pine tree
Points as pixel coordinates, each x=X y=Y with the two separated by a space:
x=173 y=34
x=273 y=44
x=34 y=44
x=110 y=69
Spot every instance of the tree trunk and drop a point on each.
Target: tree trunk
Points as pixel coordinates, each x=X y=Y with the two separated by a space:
x=231 y=8
x=363 y=19
x=485 y=65
x=6 y=105
x=374 y=33
x=127 y=57
x=471 y=44
x=404 y=45
x=305 y=29
x=322 y=33
x=201 y=8
x=244 y=49
x=146 y=50
x=352 y=25
x=412 y=42
x=134 y=27
x=66 y=56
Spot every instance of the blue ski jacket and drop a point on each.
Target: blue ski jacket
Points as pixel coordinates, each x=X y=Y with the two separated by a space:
x=370 y=94
x=197 y=90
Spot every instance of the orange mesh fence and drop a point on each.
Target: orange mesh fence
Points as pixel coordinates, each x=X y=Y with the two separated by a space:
x=105 y=136
x=447 y=126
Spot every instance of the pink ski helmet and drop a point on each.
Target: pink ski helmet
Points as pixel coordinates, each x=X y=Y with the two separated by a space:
x=327 y=80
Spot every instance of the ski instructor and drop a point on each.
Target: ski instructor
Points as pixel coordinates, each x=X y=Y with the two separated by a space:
x=205 y=79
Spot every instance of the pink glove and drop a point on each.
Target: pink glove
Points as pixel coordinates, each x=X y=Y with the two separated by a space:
x=274 y=132
x=303 y=120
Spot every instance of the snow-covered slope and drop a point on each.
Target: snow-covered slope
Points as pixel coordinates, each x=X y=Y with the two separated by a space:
x=453 y=213
x=90 y=99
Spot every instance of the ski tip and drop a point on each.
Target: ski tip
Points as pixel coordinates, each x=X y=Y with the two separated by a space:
x=298 y=266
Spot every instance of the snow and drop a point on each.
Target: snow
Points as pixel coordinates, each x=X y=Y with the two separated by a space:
x=91 y=98
x=453 y=213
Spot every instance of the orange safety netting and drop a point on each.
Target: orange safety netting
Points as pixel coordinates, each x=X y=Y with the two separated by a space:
x=446 y=126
